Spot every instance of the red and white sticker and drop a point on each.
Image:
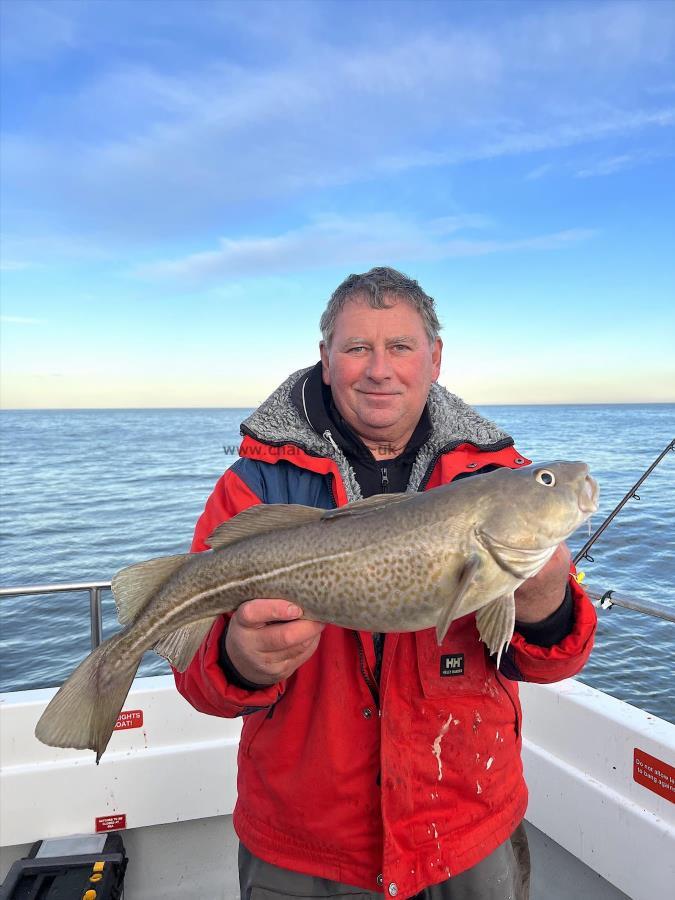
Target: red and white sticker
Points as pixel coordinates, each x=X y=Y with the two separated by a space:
x=111 y=823
x=654 y=774
x=129 y=718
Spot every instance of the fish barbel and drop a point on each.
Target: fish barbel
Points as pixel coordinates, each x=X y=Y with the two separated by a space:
x=393 y=562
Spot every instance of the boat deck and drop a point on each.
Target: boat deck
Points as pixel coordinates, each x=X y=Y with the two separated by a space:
x=198 y=859
x=559 y=875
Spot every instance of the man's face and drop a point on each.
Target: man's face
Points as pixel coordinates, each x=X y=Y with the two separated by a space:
x=380 y=366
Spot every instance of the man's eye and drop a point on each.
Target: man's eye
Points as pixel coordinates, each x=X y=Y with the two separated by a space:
x=401 y=347
x=356 y=350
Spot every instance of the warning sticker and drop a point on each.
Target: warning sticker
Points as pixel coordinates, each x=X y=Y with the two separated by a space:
x=111 y=823
x=654 y=774
x=129 y=718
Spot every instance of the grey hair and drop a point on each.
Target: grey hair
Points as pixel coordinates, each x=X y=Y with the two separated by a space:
x=378 y=288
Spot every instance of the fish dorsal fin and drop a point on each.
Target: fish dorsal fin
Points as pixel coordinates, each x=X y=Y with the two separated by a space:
x=496 y=622
x=180 y=646
x=260 y=519
x=133 y=587
x=365 y=507
x=451 y=611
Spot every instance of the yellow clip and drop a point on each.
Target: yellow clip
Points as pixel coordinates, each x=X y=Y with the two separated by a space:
x=89 y=895
x=579 y=577
x=99 y=866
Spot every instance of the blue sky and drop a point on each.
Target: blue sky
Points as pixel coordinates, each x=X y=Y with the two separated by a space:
x=184 y=184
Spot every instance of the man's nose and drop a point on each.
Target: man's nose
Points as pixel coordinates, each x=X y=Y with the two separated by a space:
x=379 y=366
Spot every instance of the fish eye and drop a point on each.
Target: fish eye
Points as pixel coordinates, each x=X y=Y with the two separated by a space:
x=545 y=477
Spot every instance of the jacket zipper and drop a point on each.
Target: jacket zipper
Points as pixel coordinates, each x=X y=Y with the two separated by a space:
x=372 y=687
x=385 y=479
x=329 y=437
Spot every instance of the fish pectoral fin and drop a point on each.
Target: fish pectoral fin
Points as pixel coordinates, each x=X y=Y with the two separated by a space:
x=133 y=587
x=179 y=647
x=520 y=562
x=260 y=519
x=365 y=507
x=496 y=622
x=457 y=592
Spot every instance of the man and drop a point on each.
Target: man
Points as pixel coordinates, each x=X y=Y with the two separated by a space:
x=362 y=768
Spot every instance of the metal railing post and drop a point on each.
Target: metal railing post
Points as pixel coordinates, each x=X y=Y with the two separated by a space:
x=95 y=616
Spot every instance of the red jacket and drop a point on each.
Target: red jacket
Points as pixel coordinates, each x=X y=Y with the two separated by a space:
x=410 y=793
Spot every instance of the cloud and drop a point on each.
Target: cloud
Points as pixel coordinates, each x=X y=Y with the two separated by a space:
x=613 y=164
x=181 y=135
x=555 y=137
x=539 y=172
x=608 y=165
x=336 y=241
x=33 y=30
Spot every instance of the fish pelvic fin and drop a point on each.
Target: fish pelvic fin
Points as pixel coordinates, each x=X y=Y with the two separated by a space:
x=260 y=519
x=496 y=622
x=451 y=611
x=179 y=647
x=83 y=713
x=134 y=586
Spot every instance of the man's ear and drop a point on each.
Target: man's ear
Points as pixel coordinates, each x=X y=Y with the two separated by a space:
x=436 y=356
x=325 y=367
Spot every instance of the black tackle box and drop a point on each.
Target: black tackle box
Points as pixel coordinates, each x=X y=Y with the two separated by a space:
x=83 y=867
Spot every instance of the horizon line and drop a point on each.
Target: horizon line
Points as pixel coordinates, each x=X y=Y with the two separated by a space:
x=255 y=406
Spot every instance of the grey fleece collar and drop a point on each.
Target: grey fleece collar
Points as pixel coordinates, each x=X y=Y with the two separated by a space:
x=277 y=421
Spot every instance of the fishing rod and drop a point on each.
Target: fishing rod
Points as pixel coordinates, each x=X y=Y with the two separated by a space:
x=583 y=553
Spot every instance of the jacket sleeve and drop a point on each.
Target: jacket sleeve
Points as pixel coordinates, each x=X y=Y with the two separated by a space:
x=204 y=683
x=525 y=661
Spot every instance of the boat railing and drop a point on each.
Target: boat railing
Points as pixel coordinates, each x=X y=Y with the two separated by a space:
x=647 y=608
x=94 y=589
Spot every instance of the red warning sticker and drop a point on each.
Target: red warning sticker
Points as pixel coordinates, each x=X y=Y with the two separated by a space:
x=654 y=774
x=111 y=823
x=129 y=718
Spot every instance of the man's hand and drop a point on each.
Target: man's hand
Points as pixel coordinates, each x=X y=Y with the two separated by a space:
x=542 y=594
x=267 y=640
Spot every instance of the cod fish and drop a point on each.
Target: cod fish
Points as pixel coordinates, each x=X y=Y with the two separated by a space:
x=393 y=562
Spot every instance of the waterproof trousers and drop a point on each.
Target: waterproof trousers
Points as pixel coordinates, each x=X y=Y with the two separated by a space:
x=503 y=875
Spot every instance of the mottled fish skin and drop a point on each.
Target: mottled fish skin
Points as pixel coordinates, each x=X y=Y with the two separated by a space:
x=389 y=570
x=390 y=564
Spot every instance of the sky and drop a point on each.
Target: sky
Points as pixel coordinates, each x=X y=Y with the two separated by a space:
x=184 y=184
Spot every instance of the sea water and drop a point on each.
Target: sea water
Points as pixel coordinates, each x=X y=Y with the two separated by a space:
x=86 y=492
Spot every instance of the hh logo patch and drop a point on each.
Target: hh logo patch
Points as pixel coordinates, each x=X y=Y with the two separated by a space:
x=452 y=664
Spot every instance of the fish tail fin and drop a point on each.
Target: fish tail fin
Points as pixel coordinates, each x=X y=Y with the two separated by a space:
x=83 y=713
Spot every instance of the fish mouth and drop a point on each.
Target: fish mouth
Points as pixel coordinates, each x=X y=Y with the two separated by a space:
x=588 y=497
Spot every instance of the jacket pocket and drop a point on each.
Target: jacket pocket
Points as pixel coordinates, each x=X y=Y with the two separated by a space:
x=252 y=725
x=456 y=667
x=510 y=688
